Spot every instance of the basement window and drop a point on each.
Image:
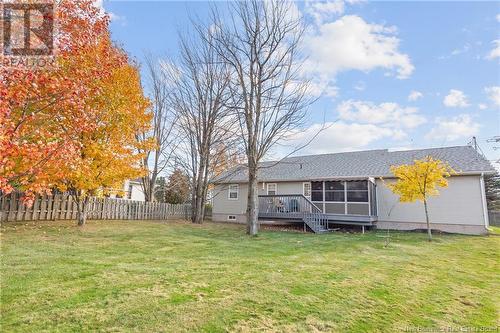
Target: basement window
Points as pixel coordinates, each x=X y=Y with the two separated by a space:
x=231 y=217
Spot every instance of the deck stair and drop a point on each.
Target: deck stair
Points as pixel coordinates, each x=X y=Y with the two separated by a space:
x=317 y=222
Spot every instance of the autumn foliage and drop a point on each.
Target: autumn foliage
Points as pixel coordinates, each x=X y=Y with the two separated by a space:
x=73 y=126
x=420 y=180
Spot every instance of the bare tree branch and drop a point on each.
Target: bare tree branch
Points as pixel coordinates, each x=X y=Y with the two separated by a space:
x=158 y=159
x=200 y=98
x=260 y=44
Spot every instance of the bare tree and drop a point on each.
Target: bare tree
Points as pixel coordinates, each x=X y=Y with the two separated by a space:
x=158 y=159
x=200 y=99
x=260 y=43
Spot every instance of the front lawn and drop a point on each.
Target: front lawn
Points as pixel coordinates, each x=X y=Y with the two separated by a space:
x=117 y=276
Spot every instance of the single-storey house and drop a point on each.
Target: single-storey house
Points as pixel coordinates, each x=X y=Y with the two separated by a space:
x=350 y=188
x=133 y=190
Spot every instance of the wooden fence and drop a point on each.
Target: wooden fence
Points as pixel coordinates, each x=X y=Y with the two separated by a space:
x=494 y=217
x=64 y=207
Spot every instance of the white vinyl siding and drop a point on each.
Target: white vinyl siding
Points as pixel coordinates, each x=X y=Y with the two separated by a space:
x=459 y=203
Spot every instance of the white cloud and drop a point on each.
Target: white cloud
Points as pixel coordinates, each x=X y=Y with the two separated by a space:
x=495 y=53
x=322 y=10
x=112 y=16
x=493 y=94
x=498 y=17
x=341 y=136
x=459 y=127
x=350 y=43
x=461 y=50
x=100 y=4
x=320 y=87
x=455 y=99
x=414 y=95
x=389 y=115
x=360 y=86
x=482 y=106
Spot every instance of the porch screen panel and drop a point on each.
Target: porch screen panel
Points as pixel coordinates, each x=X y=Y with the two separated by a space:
x=357 y=198
x=357 y=209
x=334 y=191
x=334 y=208
x=317 y=191
x=357 y=191
x=342 y=197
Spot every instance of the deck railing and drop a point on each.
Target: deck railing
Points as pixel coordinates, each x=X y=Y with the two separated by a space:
x=294 y=207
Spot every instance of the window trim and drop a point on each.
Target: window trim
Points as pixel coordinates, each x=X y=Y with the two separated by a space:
x=304 y=189
x=237 y=191
x=275 y=186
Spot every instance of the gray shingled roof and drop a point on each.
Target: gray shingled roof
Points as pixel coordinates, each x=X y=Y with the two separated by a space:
x=371 y=163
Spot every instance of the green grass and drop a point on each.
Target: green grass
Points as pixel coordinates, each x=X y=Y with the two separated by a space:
x=494 y=230
x=152 y=277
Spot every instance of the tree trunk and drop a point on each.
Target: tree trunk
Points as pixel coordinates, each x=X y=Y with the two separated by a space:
x=82 y=211
x=199 y=205
x=199 y=211
x=200 y=201
x=198 y=218
x=1 y=206
x=253 y=204
x=149 y=189
x=193 y=200
x=429 y=233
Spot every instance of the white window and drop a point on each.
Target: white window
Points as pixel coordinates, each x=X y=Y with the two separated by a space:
x=272 y=189
x=231 y=218
x=306 y=189
x=233 y=192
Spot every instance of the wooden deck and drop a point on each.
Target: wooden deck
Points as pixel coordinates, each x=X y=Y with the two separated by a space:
x=299 y=209
x=331 y=218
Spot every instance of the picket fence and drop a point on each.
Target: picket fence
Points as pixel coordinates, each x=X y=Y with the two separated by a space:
x=64 y=207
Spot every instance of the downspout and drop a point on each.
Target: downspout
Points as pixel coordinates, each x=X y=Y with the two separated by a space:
x=483 y=199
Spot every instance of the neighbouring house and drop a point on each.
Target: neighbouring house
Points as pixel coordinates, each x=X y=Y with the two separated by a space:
x=133 y=190
x=319 y=191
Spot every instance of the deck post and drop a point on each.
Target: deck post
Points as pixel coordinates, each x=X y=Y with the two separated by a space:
x=363 y=228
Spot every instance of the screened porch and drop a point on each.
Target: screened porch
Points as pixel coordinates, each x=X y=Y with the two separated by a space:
x=338 y=201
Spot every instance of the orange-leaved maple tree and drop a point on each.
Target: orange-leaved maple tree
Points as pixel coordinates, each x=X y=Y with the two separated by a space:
x=39 y=107
x=61 y=126
x=109 y=152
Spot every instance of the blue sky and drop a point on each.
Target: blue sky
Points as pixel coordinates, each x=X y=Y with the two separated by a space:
x=392 y=75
